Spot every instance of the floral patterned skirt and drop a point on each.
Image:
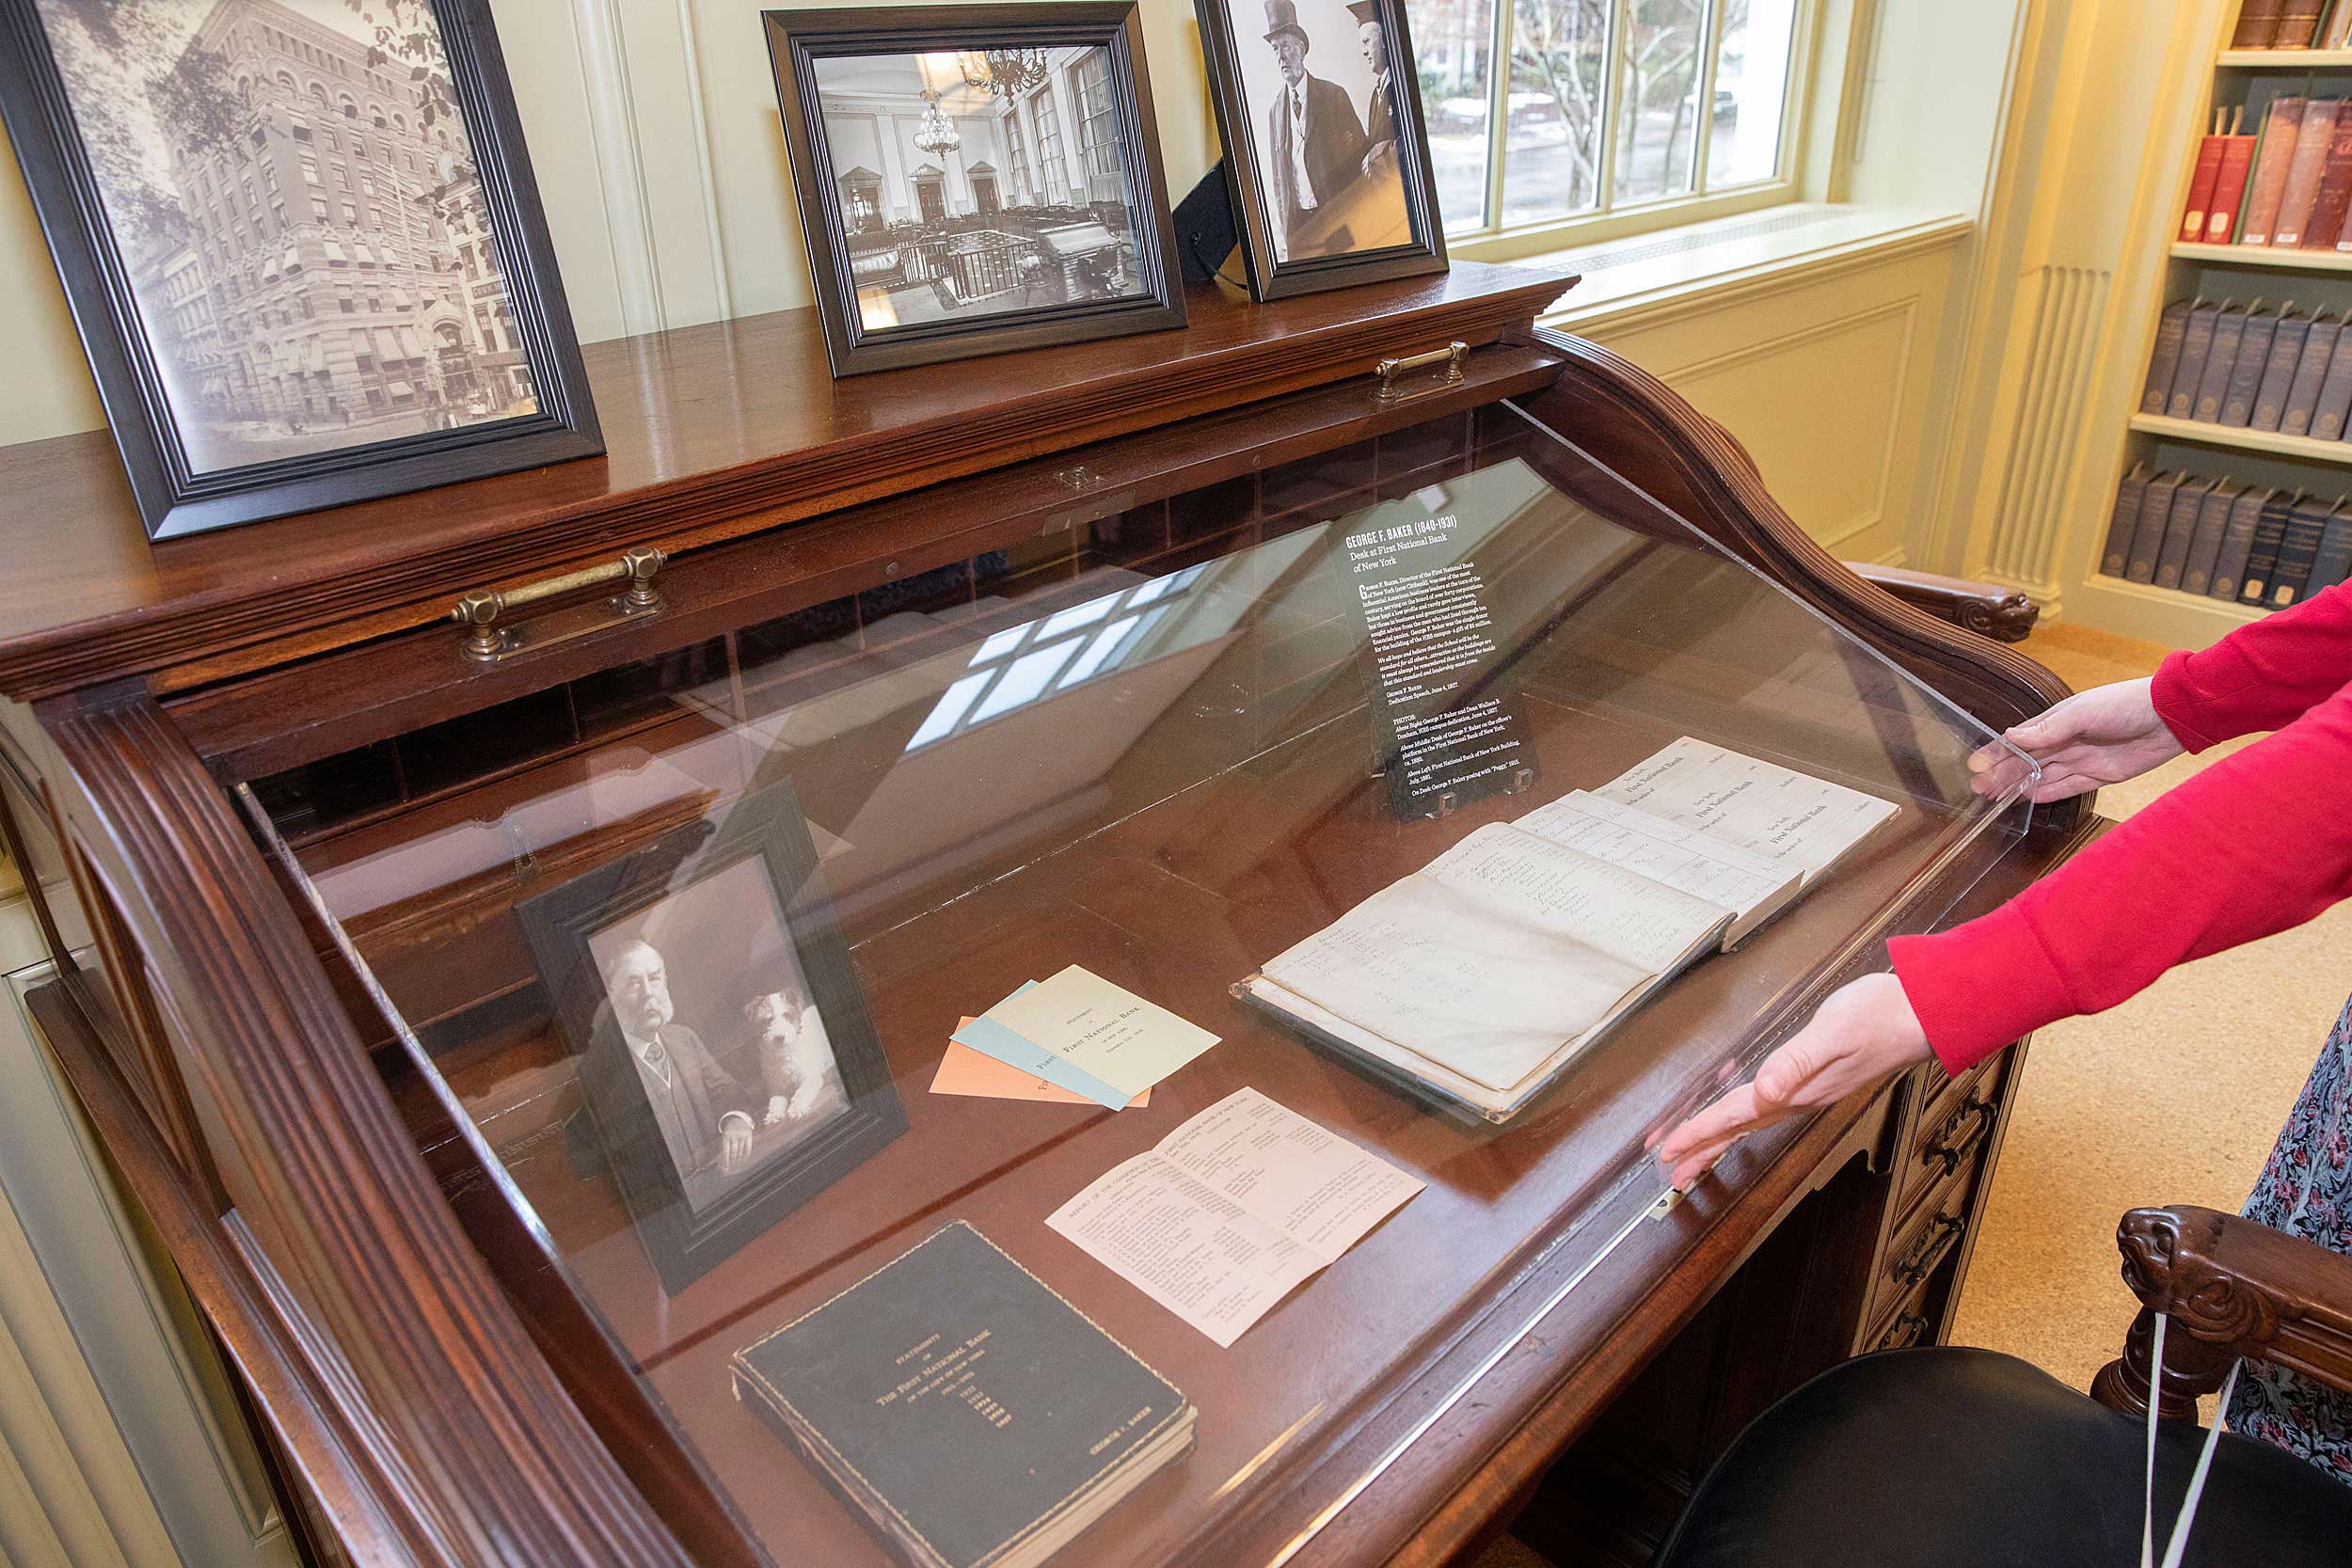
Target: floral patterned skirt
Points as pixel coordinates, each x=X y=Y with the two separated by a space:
x=2306 y=1191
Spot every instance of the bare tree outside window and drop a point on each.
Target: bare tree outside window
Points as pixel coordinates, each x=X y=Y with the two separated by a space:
x=1607 y=103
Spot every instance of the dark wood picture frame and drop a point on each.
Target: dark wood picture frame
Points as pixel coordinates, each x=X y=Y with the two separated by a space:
x=1270 y=277
x=765 y=827
x=172 y=496
x=798 y=40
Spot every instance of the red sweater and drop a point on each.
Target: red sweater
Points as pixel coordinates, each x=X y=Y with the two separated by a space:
x=2258 y=842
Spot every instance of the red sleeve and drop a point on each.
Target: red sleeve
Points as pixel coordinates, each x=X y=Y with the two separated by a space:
x=2262 y=676
x=2258 y=842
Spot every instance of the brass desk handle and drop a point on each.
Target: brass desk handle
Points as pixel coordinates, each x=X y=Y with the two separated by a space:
x=1930 y=1249
x=480 y=610
x=1391 y=370
x=1961 y=1131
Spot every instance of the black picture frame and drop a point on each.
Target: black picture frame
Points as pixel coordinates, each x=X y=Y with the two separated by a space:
x=798 y=40
x=173 y=497
x=686 y=1238
x=1271 y=276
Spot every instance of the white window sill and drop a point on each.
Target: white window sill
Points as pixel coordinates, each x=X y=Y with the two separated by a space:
x=1636 y=274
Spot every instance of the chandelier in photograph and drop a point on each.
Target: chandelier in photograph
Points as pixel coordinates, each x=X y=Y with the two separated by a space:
x=937 y=133
x=1009 y=72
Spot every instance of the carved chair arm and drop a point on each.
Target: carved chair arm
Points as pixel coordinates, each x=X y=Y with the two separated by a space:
x=2003 y=614
x=2232 y=1288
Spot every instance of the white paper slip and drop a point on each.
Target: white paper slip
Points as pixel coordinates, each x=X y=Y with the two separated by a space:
x=1232 y=1210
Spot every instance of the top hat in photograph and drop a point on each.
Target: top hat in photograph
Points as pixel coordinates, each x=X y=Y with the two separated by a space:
x=1364 y=10
x=1281 y=16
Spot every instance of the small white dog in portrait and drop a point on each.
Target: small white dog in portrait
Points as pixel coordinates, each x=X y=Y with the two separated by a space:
x=795 y=1059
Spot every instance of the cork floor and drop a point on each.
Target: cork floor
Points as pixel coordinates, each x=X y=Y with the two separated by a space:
x=2174 y=1096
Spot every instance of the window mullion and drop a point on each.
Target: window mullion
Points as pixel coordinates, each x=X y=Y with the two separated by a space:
x=1710 y=49
x=1497 y=108
x=1611 y=84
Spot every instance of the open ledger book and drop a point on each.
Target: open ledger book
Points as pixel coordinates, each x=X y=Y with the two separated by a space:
x=1481 y=976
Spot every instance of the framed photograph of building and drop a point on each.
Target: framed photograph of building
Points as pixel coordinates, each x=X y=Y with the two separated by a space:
x=726 y=1063
x=974 y=181
x=302 y=244
x=1325 y=153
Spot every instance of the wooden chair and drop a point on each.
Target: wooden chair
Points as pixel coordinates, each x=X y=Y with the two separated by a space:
x=1947 y=1457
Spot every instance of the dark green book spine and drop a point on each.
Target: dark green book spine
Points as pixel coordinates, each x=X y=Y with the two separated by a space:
x=2212 y=384
x=2122 y=521
x=2319 y=346
x=2195 y=345
x=2298 y=547
x=2171 y=327
x=2262 y=557
x=2229 y=566
x=2188 y=505
x=2251 y=369
x=2278 y=376
x=2155 y=510
x=2334 y=561
x=2213 y=520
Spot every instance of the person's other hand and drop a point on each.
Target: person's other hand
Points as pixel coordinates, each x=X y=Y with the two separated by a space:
x=1864 y=1031
x=2100 y=737
x=734 y=1143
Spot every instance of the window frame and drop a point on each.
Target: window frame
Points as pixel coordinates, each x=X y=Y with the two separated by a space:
x=1608 y=219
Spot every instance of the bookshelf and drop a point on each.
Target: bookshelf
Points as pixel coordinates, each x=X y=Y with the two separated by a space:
x=2309 y=448
x=2315 y=281
x=2284 y=59
x=2262 y=256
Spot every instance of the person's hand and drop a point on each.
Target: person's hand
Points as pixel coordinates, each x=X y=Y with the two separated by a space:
x=1863 y=1032
x=734 y=1143
x=2100 y=737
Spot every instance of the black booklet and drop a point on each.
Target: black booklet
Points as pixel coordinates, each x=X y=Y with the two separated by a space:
x=974 y=1417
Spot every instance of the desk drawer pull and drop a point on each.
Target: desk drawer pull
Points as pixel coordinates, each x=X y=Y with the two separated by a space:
x=1962 y=1130
x=1903 y=1333
x=1930 y=1249
x=1391 y=370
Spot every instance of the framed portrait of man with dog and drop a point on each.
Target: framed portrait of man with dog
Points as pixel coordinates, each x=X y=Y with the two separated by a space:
x=726 y=1063
x=1326 y=154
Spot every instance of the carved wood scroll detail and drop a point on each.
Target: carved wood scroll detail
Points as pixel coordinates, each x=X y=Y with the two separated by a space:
x=2232 y=1288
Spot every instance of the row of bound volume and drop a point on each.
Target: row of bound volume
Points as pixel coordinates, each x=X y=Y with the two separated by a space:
x=2251 y=368
x=2222 y=540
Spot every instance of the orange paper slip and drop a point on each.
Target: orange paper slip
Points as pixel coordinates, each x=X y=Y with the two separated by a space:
x=965 y=1070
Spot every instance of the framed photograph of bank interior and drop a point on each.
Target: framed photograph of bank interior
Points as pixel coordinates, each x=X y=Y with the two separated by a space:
x=975 y=179
x=726 y=1060
x=1327 y=157
x=301 y=243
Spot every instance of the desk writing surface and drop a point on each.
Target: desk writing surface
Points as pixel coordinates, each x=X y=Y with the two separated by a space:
x=1161 y=747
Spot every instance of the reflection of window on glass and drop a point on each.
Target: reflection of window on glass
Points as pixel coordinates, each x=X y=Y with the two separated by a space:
x=1098 y=132
x=1049 y=154
x=1021 y=664
x=1608 y=104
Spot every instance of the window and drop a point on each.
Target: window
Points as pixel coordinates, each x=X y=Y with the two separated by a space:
x=310 y=162
x=1098 y=127
x=1016 y=157
x=1050 y=161
x=1675 y=108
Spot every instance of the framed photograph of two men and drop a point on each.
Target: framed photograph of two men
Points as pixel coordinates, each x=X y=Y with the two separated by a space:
x=1325 y=153
x=302 y=245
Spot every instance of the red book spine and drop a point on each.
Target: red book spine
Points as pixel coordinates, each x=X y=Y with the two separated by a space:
x=2279 y=127
x=2334 y=200
x=2228 y=189
x=2201 y=187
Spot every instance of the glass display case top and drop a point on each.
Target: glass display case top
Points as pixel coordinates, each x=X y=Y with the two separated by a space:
x=1039 y=1057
